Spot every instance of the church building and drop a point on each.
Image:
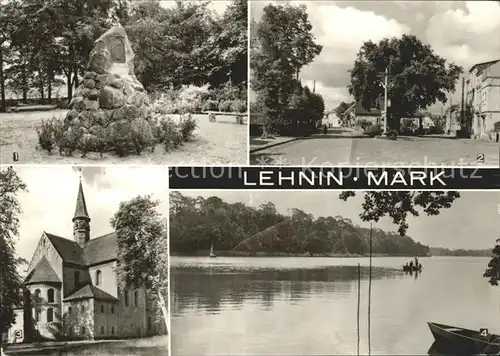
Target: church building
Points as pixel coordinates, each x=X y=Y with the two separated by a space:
x=72 y=292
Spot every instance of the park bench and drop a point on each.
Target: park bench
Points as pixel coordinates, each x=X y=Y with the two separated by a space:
x=239 y=115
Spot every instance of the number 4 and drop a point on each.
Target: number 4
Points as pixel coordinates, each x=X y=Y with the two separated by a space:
x=483 y=332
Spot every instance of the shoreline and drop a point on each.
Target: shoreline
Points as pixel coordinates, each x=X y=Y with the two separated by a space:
x=284 y=255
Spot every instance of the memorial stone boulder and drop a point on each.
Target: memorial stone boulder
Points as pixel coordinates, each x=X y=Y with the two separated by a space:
x=109 y=94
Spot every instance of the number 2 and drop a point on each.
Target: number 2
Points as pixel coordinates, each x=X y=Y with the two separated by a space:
x=480 y=158
x=484 y=332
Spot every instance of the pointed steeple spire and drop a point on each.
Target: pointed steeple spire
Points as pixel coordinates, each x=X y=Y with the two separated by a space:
x=81 y=206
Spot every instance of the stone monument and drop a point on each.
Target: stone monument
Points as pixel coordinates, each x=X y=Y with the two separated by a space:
x=110 y=94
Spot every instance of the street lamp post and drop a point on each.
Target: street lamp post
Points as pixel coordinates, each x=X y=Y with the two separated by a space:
x=385 y=85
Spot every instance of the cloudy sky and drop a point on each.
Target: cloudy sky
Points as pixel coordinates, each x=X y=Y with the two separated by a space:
x=460 y=226
x=49 y=204
x=463 y=32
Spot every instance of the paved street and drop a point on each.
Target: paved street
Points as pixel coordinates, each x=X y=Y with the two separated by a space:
x=414 y=151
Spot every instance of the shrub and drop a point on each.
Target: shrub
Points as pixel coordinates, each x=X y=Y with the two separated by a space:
x=187 y=125
x=70 y=140
x=239 y=106
x=392 y=134
x=373 y=130
x=210 y=105
x=192 y=92
x=229 y=92
x=119 y=136
x=46 y=135
x=225 y=106
x=141 y=135
x=364 y=124
x=171 y=135
x=257 y=108
x=189 y=106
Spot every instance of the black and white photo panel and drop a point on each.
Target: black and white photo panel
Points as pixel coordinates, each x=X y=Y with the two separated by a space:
x=335 y=273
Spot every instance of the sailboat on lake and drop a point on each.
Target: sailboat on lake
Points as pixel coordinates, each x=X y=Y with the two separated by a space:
x=212 y=253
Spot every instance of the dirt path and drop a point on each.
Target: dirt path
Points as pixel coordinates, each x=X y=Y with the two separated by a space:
x=223 y=142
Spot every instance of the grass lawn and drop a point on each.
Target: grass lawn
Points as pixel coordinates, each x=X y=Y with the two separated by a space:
x=152 y=346
x=222 y=142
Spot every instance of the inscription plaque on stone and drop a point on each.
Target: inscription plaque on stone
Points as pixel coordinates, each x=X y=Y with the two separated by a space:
x=117 y=50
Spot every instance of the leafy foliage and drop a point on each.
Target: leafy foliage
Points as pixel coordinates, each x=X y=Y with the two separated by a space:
x=282 y=45
x=182 y=45
x=10 y=281
x=493 y=270
x=142 y=248
x=141 y=234
x=122 y=137
x=341 y=108
x=197 y=222
x=417 y=76
x=397 y=205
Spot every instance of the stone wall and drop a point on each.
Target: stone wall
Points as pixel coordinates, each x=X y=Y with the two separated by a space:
x=78 y=319
x=45 y=328
x=133 y=317
x=108 y=278
x=105 y=320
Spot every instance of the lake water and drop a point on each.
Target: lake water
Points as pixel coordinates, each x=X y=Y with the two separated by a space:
x=308 y=306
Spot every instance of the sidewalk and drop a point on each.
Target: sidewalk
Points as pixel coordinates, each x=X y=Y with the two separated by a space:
x=259 y=143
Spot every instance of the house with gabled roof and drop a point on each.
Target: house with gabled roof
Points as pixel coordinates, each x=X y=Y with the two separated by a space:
x=72 y=291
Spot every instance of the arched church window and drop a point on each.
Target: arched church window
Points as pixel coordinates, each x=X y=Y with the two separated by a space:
x=37 y=296
x=82 y=308
x=50 y=295
x=97 y=277
x=77 y=278
x=50 y=315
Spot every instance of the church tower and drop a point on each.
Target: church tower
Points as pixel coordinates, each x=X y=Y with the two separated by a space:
x=81 y=220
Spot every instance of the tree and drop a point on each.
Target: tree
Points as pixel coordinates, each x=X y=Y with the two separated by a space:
x=417 y=76
x=284 y=44
x=142 y=248
x=397 y=205
x=493 y=270
x=9 y=14
x=340 y=110
x=10 y=282
x=196 y=222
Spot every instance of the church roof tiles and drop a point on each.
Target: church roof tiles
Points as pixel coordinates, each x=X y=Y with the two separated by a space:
x=42 y=273
x=81 y=206
x=88 y=292
x=98 y=250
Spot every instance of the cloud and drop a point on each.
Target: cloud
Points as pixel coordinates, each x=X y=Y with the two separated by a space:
x=472 y=33
x=50 y=201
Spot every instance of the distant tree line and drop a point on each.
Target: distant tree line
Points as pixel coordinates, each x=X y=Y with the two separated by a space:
x=197 y=222
x=44 y=44
x=439 y=251
x=281 y=45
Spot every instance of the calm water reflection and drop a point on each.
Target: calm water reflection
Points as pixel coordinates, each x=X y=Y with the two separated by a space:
x=308 y=306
